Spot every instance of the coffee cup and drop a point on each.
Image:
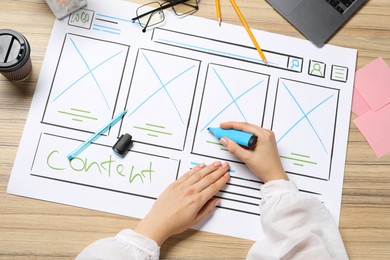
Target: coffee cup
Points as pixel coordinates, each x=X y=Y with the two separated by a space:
x=15 y=62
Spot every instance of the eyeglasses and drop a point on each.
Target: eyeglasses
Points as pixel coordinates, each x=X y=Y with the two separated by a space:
x=152 y=13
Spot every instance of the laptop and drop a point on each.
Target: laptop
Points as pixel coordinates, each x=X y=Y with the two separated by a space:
x=317 y=20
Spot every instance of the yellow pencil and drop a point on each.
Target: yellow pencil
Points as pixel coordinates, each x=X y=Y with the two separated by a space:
x=218 y=11
x=245 y=24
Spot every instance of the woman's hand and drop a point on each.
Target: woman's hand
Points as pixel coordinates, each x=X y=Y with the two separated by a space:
x=263 y=160
x=185 y=202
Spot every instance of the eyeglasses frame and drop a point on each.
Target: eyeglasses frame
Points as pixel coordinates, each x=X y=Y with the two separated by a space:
x=165 y=5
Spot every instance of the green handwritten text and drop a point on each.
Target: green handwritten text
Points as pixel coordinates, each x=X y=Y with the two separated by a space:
x=108 y=167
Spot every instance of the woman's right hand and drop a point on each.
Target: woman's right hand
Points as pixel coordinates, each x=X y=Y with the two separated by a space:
x=263 y=160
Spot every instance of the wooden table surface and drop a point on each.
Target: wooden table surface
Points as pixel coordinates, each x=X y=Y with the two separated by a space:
x=33 y=229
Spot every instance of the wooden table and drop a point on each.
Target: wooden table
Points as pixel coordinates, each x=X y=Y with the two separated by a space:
x=33 y=229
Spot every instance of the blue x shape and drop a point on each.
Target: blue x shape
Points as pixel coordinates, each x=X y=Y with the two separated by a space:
x=233 y=99
x=90 y=71
x=163 y=87
x=305 y=116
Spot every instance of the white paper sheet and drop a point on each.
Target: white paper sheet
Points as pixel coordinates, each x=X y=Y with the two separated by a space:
x=175 y=81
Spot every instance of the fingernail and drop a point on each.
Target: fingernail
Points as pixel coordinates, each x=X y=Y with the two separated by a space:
x=217 y=202
x=225 y=165
x=217 y=163
x=223 y=141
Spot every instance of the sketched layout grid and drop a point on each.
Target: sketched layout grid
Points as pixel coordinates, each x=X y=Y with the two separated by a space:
x=160 y=98
x=304 y=123
x=229 y=94
x=86 y=83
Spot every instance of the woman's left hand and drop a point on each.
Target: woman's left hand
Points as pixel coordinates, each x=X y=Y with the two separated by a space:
x=185 y=202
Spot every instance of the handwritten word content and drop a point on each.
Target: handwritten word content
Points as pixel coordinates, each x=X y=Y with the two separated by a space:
x=100 y=168
x=109 y=166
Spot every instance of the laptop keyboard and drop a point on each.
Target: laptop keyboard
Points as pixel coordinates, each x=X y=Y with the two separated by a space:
x=341 y=5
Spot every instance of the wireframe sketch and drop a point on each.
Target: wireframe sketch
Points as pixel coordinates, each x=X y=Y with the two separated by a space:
x=86 y=83
x=304 y=124
x=160 y=99
x=230 y=94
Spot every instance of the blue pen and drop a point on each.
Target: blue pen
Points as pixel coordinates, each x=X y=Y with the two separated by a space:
x=240 y=137
x=95 y=136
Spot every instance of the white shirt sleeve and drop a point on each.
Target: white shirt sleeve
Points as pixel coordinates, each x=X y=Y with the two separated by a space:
x=296 y=226
x=127 y=244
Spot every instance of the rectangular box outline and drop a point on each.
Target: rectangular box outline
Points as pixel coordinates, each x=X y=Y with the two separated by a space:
x=201 y=106
x=334 y=129
x=288 y=57
x=192 y=102
x=54 y=76
x=94 y=186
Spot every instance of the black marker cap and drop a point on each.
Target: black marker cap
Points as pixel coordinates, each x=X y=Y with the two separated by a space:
x=252 y=141
x=122 y=146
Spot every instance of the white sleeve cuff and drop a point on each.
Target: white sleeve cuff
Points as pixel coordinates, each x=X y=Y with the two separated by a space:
x=278 y=186
x=141 y=242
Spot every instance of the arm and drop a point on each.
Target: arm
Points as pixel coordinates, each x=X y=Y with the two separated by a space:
x=182 y=205
x=185 y=202
x=296 y=225
x=127 y=244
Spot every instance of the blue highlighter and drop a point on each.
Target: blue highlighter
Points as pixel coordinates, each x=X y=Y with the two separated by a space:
x=240 y=137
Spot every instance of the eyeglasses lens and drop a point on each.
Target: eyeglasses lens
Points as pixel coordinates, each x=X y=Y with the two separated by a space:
x=186 y=8
x=152 y=18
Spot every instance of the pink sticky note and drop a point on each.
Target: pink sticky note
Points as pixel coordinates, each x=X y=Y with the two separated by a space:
x=373 y=83
x=359 y=106
x=375 y=127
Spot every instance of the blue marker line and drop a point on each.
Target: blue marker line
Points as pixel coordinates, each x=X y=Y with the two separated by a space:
x=86 y=74
x=95 y=136
x=89 y=69
x=106 y=27
x=229 y=54
x=162 y=84
x=231 y=104
x=107 y=31
x=230 y=94
x=115 y=18
x=305 y=116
